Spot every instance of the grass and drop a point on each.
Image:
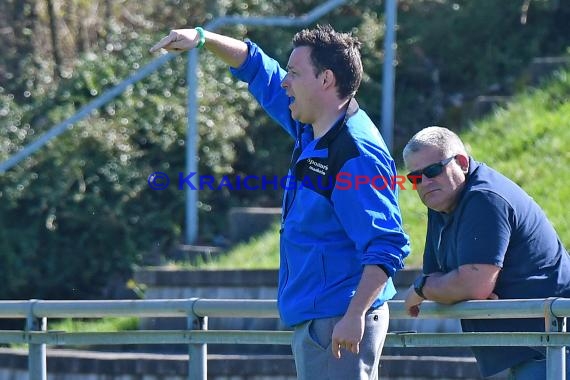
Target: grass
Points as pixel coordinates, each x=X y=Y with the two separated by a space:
x=260 y=252
x=414 y=215
x=527 y=141
x=113 y=324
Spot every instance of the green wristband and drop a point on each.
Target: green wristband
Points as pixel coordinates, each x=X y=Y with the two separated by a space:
x=202 y=37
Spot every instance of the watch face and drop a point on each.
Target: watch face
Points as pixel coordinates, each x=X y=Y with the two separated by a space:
x=419 y=285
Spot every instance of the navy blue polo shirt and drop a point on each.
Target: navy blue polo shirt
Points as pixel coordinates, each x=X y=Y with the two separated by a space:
x=495 y=222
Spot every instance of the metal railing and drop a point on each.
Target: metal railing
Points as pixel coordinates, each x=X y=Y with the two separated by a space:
x=197 y=336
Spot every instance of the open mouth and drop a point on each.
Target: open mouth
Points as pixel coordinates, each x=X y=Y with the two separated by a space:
x=291 y=102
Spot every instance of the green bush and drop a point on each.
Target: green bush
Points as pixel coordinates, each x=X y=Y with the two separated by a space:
x=80 y=211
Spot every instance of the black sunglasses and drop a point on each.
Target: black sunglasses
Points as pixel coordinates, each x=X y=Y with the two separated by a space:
x=430 y=171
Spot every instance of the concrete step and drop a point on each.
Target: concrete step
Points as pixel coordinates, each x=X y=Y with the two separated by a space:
x=88 y=365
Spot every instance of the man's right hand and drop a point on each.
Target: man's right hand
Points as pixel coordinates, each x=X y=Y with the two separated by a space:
x=413 y=302
x=178 y=40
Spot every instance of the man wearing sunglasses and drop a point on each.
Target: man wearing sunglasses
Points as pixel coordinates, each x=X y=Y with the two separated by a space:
x=486 y=239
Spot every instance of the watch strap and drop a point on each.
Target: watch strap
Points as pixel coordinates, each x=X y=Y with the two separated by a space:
x=419 y=284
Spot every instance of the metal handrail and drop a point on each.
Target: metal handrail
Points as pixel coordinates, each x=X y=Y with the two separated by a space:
x=197 y=310
x=249 y=308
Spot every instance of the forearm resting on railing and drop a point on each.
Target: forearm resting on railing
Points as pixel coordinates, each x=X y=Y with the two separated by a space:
x=468 y=282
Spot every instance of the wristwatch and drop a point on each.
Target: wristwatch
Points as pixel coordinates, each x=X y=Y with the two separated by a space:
x=419 y=285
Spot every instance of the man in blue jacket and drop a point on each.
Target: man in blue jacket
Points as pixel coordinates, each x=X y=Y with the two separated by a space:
x=340 y=245
x=486 y=239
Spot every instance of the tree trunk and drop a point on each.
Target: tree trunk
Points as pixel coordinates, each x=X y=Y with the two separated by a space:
x=108 y=20
x=17 y=23
x=54 y=39
x=82 y=30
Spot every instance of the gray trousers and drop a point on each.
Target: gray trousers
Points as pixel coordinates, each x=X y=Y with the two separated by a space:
x=313 y=354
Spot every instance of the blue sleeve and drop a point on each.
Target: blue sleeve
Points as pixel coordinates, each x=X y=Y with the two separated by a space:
x=370 y=214
x=264 y=75
x=485 y=229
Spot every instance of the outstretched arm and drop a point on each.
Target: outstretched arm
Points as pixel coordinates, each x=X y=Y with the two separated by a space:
x=228 y=49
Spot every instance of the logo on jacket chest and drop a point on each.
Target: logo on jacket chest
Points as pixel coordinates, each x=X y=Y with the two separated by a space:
x=314 y=174
x=317 y=167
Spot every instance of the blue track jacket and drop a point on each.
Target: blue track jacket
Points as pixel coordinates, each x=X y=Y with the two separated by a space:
x=333 y=222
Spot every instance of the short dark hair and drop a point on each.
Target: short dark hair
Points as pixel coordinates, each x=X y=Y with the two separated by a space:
x=338 y=52
x=439 y=138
